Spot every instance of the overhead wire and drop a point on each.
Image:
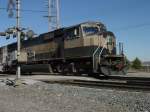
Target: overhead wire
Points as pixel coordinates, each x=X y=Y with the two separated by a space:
x=133 y=27
x=26 y=10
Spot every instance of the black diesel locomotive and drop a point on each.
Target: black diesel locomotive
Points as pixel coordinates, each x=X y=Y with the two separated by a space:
x=84 y=48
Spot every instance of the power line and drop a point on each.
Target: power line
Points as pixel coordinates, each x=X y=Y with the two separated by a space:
x=133 y=27
x=27 y=10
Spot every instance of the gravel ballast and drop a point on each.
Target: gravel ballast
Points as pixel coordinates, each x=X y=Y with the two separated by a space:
x=42 y=97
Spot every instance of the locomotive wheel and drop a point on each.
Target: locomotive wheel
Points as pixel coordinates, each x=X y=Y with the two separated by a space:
x=70 y=69
x=123 y=71
x=105 y=70
x=64 y=69
x=59 y=68
x=74 y=68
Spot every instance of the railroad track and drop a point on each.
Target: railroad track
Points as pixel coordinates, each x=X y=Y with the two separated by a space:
x=128 y=78
x=113 y=84
x=117 y=82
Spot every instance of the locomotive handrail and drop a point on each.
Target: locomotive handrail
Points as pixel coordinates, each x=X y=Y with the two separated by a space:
x=94 y=57
x=99 y=59
x=100 y=55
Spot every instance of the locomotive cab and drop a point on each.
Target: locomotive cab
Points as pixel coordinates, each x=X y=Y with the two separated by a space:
x=100 y=44
x=95 y=35
x=92 y=36
x=81 y=40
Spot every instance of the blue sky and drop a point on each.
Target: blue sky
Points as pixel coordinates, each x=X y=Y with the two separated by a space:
x=128 y=19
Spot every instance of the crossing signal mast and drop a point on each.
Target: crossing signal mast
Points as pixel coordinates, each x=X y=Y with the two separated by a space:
x=53 y=14
x=17 y=29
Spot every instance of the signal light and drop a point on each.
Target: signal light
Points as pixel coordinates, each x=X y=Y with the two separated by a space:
x=14 y=35
x=22 y=35
x=7 y=36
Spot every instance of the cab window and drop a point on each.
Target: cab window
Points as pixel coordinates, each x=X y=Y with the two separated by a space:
x=109 y=40
x=72 y=33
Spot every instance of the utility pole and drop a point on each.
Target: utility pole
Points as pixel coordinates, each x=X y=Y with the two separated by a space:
x=58 y=14
x=18 y=2
x=49 y=15
x=17 y=30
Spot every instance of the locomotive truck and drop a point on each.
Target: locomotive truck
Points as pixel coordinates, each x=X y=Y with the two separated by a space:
x=87 y=48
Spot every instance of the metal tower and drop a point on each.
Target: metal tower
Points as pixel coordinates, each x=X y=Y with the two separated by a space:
x=53 y=14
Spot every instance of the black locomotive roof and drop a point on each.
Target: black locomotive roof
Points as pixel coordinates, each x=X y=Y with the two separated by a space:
x=88 y=22
x=55 y=33
x=42 y=38
x=49 y=35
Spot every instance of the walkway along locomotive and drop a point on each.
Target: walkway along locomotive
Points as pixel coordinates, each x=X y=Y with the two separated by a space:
x=84 y=48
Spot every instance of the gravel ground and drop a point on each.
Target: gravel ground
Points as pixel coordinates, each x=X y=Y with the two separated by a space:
x=41 y=97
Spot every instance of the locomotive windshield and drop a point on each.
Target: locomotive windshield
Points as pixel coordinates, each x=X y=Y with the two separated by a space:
x=93 y=28
x=90 y=30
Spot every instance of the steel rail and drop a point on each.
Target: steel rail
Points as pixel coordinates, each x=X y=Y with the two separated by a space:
x=129 y=78
x=127 y=85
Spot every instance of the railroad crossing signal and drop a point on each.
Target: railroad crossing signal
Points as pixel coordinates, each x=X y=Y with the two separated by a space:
x=7 y=36
x=13 y=32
